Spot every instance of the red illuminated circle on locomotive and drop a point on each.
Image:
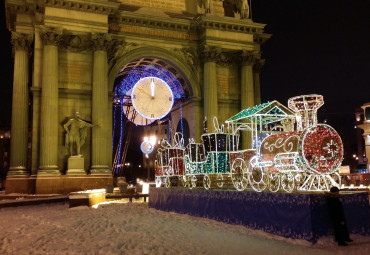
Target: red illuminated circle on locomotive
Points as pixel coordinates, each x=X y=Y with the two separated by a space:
x=322 y=149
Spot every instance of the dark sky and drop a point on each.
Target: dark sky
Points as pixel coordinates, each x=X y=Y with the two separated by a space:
x=317 y=47
x=6 y=71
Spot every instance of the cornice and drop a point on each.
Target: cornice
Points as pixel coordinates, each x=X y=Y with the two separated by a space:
x=93 y=6
x=228 y=24
x=153 y=22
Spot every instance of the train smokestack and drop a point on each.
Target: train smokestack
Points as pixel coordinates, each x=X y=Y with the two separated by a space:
x=305 y=108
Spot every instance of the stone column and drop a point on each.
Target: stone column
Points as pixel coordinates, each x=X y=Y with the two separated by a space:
x=247 y=90
x=49 y=103
x=19 y=130
x=100 y=135
x=210 y=54
x=256 y=78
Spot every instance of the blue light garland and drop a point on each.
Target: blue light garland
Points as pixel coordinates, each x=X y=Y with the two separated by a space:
x=114 y=125
x=120 y=142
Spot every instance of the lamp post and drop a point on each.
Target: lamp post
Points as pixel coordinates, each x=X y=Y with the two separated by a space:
x=147 y=147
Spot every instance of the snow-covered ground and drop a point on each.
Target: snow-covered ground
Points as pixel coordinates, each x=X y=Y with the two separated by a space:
x=133 y=228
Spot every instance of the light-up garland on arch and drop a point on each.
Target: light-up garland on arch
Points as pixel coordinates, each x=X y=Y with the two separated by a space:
x=306 y=159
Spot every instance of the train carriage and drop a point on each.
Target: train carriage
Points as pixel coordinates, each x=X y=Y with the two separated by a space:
x=169 y=165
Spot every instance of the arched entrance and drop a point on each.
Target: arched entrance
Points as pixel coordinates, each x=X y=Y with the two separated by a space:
x=130 y=129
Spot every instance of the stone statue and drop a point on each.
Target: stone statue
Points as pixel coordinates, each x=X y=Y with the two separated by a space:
x=244 y=9
x=207 y=6
x=76 y=133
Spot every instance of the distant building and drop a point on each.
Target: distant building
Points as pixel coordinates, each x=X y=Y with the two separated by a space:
x=363 y=135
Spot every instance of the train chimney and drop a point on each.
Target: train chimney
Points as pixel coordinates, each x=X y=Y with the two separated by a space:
x=305 y=108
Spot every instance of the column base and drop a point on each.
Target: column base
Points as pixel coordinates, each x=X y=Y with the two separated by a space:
x=18 y=171
x=48 y=170
x=24 y=185
x=100 y=170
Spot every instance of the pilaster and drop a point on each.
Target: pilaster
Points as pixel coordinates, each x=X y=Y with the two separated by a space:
x=49 y=103
x=19 y=130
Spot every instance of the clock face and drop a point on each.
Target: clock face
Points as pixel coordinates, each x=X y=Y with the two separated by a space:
x=152 y=98
x=132 y=115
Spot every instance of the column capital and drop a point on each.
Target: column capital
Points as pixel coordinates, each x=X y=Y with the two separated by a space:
x=259 y=63
x=249 y=57
x=51 y=35
x=100 y=41
x=210 y=53
x=21 y=41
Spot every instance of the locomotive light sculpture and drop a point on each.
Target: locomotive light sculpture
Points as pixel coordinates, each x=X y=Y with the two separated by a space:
x=289 y=151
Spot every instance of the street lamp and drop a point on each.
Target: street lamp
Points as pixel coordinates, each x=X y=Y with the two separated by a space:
x=147 y=147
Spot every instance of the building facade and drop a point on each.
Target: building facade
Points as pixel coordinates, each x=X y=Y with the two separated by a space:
x=70 y=54
x=363 y=124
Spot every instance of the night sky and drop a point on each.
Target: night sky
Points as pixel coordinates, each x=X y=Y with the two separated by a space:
x=317 y=47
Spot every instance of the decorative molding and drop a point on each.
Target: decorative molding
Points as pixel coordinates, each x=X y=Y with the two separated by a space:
x=189 y=55
x=21 y=41
x=100 y=41
x=99 y=7
x=119 y=48
x=183 y=25
x=75 y=42
x=51 y=35
x=227 y=58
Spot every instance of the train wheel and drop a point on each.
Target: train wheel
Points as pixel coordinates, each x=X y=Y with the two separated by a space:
x=158 y=182
x=274 y=182
x=238 y=169
x=167 y=182
x=184 y=181
x=257 y=176
x=220 y=180
x=287 y=182
x=335 y=180
x=206 y=182
x=193 y=181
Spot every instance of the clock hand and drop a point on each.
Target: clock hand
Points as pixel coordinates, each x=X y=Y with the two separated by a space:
x=152 y=87
x=144 y=92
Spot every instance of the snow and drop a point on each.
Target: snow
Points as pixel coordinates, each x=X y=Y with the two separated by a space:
x=133 y=228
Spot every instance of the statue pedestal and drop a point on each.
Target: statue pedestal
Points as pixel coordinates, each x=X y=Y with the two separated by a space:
x=76 y=165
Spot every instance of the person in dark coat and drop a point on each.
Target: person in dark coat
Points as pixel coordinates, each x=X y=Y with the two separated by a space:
x=338 y=220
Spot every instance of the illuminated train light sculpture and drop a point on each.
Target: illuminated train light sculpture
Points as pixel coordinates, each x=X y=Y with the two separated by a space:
x=290 y=151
